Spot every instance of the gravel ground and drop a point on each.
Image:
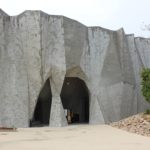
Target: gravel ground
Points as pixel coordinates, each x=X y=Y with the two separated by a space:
x=139 y=124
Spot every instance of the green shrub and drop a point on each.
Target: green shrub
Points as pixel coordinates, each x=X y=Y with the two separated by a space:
x=145 y=75
x=147 y=111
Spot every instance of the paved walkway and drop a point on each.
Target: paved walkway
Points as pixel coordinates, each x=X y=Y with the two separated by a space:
x=83 y=137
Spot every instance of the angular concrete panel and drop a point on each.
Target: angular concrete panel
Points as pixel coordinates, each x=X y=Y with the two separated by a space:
x=138 y=48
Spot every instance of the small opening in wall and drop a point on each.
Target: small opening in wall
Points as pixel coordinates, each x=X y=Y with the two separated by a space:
x=43 y=106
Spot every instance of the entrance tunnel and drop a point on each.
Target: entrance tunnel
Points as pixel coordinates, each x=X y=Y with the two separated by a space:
x=75 y=100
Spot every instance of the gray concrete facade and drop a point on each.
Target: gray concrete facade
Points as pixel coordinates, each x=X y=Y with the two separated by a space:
x=35 y=46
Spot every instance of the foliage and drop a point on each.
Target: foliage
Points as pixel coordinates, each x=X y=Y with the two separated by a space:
x=145 y=75
x=147 y=111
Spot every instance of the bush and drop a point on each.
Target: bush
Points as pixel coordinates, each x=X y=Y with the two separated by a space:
x=147 y=111
x=145 y=75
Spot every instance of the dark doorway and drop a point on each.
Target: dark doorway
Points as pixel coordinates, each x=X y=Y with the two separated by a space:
x=75 y=99
x=42 y=110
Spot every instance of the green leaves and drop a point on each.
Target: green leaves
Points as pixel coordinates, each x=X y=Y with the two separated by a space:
x=145 y=75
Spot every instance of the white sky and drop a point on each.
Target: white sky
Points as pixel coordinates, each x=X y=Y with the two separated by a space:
x=111 y=14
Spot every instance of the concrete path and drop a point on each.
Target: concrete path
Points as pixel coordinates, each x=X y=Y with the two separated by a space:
x=83 y=137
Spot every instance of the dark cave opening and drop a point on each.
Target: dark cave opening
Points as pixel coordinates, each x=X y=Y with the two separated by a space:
x=42 y=110
x=75 y=99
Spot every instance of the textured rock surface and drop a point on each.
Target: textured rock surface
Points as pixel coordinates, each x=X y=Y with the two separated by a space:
x=139 y=124
x=35 y=46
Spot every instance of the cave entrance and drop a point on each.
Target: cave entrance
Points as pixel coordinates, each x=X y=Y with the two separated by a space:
x=42 y=110
x=75 y=99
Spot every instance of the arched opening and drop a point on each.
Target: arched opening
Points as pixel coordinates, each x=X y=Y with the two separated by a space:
x=75 y=99
x=42 y=110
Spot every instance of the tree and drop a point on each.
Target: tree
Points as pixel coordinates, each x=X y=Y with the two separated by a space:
x=145 y=75
x=146 y=28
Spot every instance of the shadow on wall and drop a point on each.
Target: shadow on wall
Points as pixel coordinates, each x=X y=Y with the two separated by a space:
x=75 y=100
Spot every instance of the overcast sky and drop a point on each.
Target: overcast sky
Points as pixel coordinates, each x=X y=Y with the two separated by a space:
x=111 y=14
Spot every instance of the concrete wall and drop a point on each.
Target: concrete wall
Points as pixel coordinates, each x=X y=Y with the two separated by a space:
x=112 y=79
x=139 y=50
x=35 y=46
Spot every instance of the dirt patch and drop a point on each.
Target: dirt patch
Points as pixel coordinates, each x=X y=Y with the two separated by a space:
x=4 y=129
